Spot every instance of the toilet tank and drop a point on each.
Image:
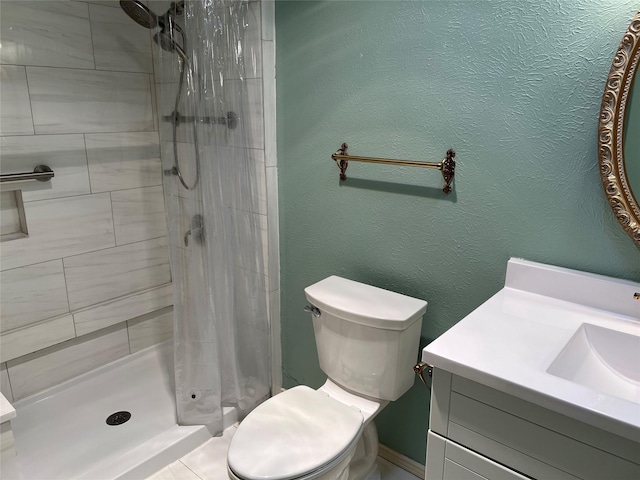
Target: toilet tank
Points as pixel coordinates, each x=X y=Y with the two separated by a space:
x=367 y=338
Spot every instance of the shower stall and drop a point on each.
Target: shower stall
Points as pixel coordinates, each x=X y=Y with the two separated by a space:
x=212 y=194
x=215 y=191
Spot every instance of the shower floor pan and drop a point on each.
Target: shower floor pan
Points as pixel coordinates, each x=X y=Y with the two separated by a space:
x=62 y=433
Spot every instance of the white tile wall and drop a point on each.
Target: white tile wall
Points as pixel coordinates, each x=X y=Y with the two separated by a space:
x=65 y=154
x=253 y=42
x=5 y=384
x=187 y=272
x=248 y=226
x=123 y=160
x=275 y=333
x=37 y=336
x=113 y=108
x=84 y=70
x=256 y=158
x=150 y=329
x=272 y=227
x=268 y=19
x=271 y=162
x=71 y=101
x=107 y=274
x=15 y=109
x=269 y=96
x=138 y=214
x=31 y=294
x=154 y=101
x=249 y=108
x=56 y=364
x=52 y=33
x=59 y=228
x=121 y=309
x=250 y=309
x=119 y=43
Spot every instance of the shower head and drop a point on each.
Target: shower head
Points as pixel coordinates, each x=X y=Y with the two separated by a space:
x=140 y=13
x=168 y=44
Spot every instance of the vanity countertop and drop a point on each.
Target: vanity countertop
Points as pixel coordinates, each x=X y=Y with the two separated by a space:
x=510 y=341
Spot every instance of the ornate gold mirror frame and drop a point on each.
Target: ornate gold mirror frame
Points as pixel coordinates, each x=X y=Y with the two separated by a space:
x=611 y=131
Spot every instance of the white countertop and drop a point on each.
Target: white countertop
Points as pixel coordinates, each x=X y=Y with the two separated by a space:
x=509 y=342
x=7 y=412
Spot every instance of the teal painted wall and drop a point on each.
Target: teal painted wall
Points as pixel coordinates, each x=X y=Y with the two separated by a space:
x=513 y=86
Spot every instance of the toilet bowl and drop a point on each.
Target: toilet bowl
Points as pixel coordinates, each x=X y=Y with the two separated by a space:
x=367 y=340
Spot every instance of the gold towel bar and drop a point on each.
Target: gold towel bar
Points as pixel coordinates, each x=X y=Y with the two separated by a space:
x=446 y=166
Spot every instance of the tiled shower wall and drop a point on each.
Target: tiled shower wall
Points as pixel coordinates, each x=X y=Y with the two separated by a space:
x=271 y=176
x=91 y=283
x=255 y=135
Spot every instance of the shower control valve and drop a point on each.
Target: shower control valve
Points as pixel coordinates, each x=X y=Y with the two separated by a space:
x=196 y=230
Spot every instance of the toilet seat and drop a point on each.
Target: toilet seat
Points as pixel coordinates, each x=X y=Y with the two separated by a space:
x=300 y=433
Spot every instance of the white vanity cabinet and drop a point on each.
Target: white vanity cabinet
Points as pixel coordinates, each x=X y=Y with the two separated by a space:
x=477 y=432
x=540 y=381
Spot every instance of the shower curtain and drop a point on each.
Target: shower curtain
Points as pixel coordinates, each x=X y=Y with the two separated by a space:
x=221 y=325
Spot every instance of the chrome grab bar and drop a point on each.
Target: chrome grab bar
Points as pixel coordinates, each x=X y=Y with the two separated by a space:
x=230 y=119
x=41 y=173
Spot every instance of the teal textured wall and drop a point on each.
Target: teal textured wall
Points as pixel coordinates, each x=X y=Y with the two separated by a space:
x=513 y=86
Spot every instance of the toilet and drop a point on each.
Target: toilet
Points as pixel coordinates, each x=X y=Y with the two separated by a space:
x=367 y=340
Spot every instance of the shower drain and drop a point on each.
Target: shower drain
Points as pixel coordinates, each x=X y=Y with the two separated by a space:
x=118 y=418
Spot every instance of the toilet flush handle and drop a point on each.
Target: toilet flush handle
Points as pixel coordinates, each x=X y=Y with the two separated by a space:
x=315 y=311
x=419 y=370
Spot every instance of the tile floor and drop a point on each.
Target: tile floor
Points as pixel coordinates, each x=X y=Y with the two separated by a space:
x=208 y=462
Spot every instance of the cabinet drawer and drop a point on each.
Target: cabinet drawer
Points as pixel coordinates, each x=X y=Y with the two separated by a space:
x=455 y=462
x=529 y=438
x=455 y=471
x=477 y=465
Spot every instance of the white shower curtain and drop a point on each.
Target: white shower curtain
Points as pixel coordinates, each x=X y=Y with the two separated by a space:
x=221 y=327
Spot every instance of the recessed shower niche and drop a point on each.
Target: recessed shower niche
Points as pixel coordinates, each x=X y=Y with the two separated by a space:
x=13 y=220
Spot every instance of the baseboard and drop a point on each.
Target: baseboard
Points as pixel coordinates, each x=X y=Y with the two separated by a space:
x=401 y=461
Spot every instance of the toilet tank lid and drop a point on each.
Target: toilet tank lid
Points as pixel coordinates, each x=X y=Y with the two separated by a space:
x=364 y=304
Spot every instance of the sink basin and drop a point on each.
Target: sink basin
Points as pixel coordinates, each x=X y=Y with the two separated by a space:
x=602 y=359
